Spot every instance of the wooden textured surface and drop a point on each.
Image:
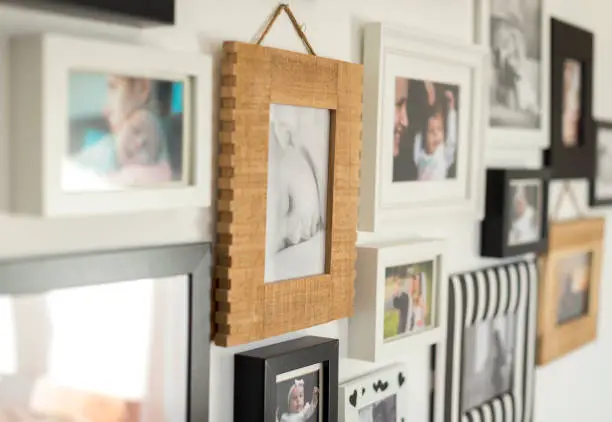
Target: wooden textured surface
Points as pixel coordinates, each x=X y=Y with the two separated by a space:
x=253 y=77
x=568 y=238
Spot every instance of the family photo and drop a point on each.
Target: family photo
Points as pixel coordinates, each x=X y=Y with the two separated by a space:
x=408 y=299
x=298 y=395
x=488 y=360
x=296 y=216
x=526 y=212
x=425 y=130
x=124 y=132
x=574 y=274
x=516 y=63
x=572 y=91
x=382 y=411
x=603 y=177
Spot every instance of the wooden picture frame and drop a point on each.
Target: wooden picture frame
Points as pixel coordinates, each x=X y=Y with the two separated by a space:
x=258 y=373
x=256 y=79
x=56 y=274
x=504 y=187
x=490 y=304
x=567 y=240
x=571 y=69
x=600 y=190
x=72 y=147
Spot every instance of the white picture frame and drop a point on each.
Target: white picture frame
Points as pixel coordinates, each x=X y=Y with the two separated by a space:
x=486 y=295
x=391 y=52
x=367 y=325
x=518 y=138
x=40 y=67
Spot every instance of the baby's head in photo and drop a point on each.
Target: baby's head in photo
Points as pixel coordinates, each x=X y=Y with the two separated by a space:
x=141 y=139
x=125 y=94
x=434 y=129
x=296 y=397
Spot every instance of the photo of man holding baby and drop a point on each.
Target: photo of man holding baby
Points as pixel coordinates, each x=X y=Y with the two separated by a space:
x=425 y=130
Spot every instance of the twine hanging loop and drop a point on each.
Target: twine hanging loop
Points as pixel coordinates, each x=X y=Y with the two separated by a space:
x=298 y=28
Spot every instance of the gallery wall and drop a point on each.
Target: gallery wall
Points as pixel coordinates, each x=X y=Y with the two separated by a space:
x=575 y=387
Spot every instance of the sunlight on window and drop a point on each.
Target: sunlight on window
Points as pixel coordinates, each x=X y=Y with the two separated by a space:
x=8 y=355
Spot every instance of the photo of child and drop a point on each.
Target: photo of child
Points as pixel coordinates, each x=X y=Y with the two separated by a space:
x=425 y=130
x=409 y=294
x=124 y=132
x=572 y=77
x=603 y=178
x=382 y=411
x=297 y=395
x=526 y=212
x=574 y=275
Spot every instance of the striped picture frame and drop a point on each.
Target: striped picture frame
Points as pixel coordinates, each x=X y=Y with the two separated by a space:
x=485 y=295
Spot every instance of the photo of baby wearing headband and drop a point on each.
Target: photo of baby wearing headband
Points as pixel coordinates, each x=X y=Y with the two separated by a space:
x=297 y=395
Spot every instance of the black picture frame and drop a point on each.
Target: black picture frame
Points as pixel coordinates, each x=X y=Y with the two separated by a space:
x=570 y=42
x=41 y=274
x=594 y=201
x=495 y=227
x=255 y=375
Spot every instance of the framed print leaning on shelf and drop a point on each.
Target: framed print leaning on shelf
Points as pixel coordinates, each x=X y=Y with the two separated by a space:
x=569 y=292
x=572 y=131
x=516 y=213
x=517 y=34
x=400 y=299
x=600 y=183
x=102 y=127
x=423 y=127
x=288 y=191
x=491 y=343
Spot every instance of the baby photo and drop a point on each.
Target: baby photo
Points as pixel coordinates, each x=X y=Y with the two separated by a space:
x=381 y=411
x=526 y=212
x=573 y=274
x=297 y=395
x=124 y=132
x=603 y=178
x=572 y=81
x=488 y=360
x=296 y=216
x=516 y=63
x=425 y=130
x=409 y=291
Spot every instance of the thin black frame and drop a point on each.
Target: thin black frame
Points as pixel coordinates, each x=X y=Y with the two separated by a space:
x=495 y=227
x=255 y=399
x=41 y=274
x=593 y=201
x=570 y=42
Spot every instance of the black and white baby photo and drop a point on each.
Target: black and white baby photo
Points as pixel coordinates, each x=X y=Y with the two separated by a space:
x=488 y=360
x=573 y=275
x=516 y=63
x=298 y=395
x=526 y=211
x=384 y=410
x=298 y=166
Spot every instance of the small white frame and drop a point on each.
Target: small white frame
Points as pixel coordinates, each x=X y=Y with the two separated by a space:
x=517 y=138
x=366 y=326
x=39 y=69
x=391 y=51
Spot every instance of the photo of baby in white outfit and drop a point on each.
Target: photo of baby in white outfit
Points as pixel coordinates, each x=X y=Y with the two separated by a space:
x=297 y=395
x=525 y=216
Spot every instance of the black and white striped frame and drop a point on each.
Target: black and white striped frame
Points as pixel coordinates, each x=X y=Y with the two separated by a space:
x=486 y=294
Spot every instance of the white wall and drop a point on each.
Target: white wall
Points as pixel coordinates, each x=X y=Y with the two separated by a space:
x=571 y=389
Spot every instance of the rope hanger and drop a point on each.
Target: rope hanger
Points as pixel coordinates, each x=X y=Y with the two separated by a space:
x=567 y=191
x=285 y=7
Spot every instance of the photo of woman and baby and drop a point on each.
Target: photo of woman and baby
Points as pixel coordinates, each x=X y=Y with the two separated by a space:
x=297 y=395
x=408 y=299
x=425 y=130
x=124 y=132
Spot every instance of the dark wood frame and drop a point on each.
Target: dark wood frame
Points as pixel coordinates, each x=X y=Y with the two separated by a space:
x=593 y=201
x=41 y=274
x=495 y=227
x=255 y=376
x=570 y=42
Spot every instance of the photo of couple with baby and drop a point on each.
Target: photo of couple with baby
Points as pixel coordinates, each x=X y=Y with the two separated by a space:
x=425 y=130
x=124 y=132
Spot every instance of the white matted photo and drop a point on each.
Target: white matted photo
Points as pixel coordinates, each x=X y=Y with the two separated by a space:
x=298 y=395
x=296 y=216
x=526 y=213
x=603 y=177
x=423 y=128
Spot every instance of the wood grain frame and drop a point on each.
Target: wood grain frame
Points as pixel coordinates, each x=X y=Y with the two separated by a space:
x=567 y=238
x=253 y=78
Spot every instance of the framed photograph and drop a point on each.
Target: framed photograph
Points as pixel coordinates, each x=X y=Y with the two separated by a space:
x=423 y=123
x=296 y=380
x=569 y=292
x=517 y=34
x=400 y=299
x=105 y=127
x=491 y=343
x=288 y=191
x=516 y=213
x=600 y=183
x=572 y=131
x=93 y=336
